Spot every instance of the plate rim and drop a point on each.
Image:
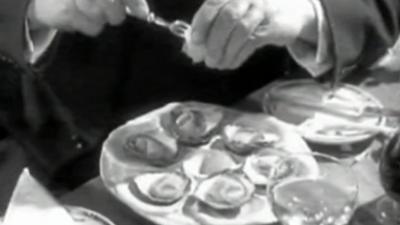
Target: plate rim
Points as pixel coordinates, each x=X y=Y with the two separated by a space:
x=99 y=216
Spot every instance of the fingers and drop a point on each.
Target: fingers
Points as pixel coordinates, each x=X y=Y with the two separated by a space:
x=114 y=10
x=102 y=11
x=86 y=18
x=251 y=45
x=240 y=35
x=273 y=34
x=91 y=15
x=203 y=20
x=201 y=24
x=227 y=19
x=91 y=9
x=243 y=54
x=195 y=52
x=224 y=28
x=137 y=8
x=85 y=25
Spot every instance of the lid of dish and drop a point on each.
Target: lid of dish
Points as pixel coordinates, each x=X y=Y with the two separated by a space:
x=321 y=113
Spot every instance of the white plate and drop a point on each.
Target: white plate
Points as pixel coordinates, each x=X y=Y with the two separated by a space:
x=309 y=122
x=84 y=216
x=116 y=173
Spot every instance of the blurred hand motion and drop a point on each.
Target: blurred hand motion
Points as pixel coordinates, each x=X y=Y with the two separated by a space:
x=227 y=32
x=85 y=16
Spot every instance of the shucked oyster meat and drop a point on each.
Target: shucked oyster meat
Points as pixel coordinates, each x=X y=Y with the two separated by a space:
x=208 y=162
x=244 y=140
x=224 y=191
x=143 y=143
x=295 y=166
x=270 y=165
x=192 y=124
x=163 y=188
x=152 y=149
x=259 y=167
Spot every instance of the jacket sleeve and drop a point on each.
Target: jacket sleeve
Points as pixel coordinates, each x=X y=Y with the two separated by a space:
x=34 y=116
x=361 y=31
x=29 y=110
x=12 y=20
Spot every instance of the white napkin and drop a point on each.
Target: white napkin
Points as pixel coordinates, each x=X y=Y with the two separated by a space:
x=32 y=204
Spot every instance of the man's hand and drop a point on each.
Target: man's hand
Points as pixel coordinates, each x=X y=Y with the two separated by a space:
x=226 y=32
x=85 y=16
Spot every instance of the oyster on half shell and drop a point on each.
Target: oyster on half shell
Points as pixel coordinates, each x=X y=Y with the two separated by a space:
x=205 y=163
x=244 y=140
x=258 y=167
x=270 y=165
x=299 y=166
x=165 y=188
x=143 y=143
x=224 y=191
x=157 y=150
x=148 y=147
x=192 y=124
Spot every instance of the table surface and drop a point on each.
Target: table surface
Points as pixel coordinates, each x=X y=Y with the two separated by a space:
x=385 y=86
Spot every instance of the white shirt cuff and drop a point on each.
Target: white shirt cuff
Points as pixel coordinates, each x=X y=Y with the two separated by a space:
x=37 y=42
x=314 y=57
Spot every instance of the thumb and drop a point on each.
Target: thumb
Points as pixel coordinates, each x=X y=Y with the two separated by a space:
x=272 y=34
x=137 y=8
x=193 y=51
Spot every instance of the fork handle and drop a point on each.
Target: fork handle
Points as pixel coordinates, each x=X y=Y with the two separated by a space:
x=154 y=19
x=176 y=27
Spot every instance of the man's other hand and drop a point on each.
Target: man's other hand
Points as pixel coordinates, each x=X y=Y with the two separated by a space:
x=85 y=16
x=227 y=32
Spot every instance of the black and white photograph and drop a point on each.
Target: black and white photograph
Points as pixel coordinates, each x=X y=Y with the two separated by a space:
x=199 y=112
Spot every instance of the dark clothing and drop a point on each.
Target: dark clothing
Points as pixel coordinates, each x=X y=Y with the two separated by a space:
x=361 y=31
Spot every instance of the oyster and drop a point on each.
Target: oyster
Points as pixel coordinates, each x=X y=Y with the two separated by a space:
x=258 y=167
x=225 y=191
x=208 y=162
x=304 y=166
x=152 y=149
x=144 y=142
x=192 y=124
x=244 y=140
x=274 y=164
x=164 y=188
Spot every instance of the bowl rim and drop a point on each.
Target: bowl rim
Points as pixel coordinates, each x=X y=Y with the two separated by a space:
x=320 y=138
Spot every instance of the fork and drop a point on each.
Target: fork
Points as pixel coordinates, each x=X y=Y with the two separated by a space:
x=177 y=27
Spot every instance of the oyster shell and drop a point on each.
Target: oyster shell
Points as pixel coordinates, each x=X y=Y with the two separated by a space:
x=258 y=167
x=225 y=191
x=204 y=163
x=244 y=140
x=158 y=150
x=270 y=165
x=164 y=188
x=192 y=124
x=256 y=211
x=145 y=142
x=300 y=166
